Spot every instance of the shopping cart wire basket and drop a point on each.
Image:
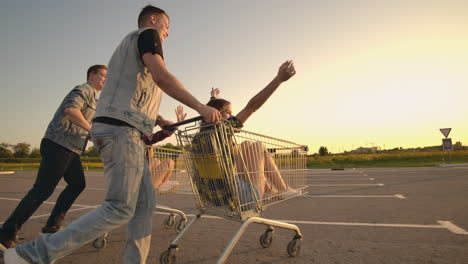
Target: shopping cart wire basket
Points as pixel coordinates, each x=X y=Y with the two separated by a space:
x=236 y=174
x=168 y=166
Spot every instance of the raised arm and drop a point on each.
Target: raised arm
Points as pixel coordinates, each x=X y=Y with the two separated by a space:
x=285 y=72
x=171 y=86
x=214 y=93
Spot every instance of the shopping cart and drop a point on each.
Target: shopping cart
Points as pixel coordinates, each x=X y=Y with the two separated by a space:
x=169 y=163
x=237 y=174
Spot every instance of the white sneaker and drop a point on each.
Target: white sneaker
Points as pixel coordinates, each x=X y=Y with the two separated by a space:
x=293 y=191
x=168 y=187
x=11 y=257
x=290 y=193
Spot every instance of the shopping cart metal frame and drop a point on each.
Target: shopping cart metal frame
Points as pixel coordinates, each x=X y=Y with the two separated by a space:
x=246 y=213
x=177 y=174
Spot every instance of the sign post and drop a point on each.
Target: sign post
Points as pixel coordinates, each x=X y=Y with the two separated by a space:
x=446 y=142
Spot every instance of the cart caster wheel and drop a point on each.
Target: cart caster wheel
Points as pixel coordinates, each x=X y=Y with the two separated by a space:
x=180 y=225
x=169 y=222
x=167 y=258
x=266 y=239
x=99 y=243
x=294 y=247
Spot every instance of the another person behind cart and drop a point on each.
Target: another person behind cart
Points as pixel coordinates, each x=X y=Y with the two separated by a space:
x=61 y=147
x=161 y=170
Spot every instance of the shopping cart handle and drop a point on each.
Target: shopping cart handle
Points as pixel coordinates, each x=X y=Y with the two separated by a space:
x=173 y=127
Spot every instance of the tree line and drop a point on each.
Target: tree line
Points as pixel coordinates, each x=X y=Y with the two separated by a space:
x=24 y=150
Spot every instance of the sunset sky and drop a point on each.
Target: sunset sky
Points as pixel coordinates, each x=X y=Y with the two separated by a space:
x=369 y=73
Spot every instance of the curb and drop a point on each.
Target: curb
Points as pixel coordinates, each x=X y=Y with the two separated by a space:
x=453 y=165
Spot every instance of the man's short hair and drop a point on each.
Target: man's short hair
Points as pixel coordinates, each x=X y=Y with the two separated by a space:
x=148 y=11
x=95 y=69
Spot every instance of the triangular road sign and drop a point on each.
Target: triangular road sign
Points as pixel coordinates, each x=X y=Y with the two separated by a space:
x=445 y=131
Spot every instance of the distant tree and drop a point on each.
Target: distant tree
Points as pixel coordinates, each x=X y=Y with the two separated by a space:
x=91 y=152
x=323 y=151
x=5 y=151
x=21 y=150
x=458 y=146
x=169 y=146
x=35 y=153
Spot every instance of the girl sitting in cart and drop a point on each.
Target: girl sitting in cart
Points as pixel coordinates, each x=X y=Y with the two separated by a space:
x=259 y=162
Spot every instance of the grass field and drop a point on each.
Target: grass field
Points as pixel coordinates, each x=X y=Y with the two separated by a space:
x=375 y=160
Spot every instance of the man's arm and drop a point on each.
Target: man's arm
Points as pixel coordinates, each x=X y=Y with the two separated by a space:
x=285 y=72
x=171 y=86
x=77 y=118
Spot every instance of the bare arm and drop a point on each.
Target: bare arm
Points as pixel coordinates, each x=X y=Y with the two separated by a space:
x=285 y=72
x=77 y=118
x=171 y=86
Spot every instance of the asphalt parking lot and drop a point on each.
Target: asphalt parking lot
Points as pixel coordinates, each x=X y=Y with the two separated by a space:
x=394 y=215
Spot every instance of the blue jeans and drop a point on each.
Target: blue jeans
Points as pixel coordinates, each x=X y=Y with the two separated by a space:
x=130 y=199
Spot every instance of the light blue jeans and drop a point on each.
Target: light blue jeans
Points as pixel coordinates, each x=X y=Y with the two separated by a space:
x=130 y=199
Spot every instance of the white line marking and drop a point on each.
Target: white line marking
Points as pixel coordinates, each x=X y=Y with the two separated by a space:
x=443 y=224
x=7 y=172
x=362 y=224
x=355 y=179
x=453 y=228
x=400 y=196
x=87 y=188
x=335 y=175
x=378 y=184
x=69 y=211
x=17 y=200
x=353 y=196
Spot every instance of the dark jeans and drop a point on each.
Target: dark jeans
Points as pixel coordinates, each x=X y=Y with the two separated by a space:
x=57 y=162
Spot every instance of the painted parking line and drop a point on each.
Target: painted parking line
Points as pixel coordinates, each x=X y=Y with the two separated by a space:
x=399 y=196
x=354 y=179
x=442 y=224
x=336 y=175
x=81 y=207
x=87 y=188
x=7 y=172
x=452 y=227
x=69 y=211
x=18 y=200
x=377 y=184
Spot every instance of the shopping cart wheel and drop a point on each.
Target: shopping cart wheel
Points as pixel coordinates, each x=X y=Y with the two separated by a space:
x=167 y=258
x=294 y=247
x=266 y=239
x=99 y=243
x=180 y=225
x=169 y=222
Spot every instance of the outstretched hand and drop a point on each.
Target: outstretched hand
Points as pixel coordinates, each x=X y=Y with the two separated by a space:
x=286 y=71
x=214 y=92
x=179 y=111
